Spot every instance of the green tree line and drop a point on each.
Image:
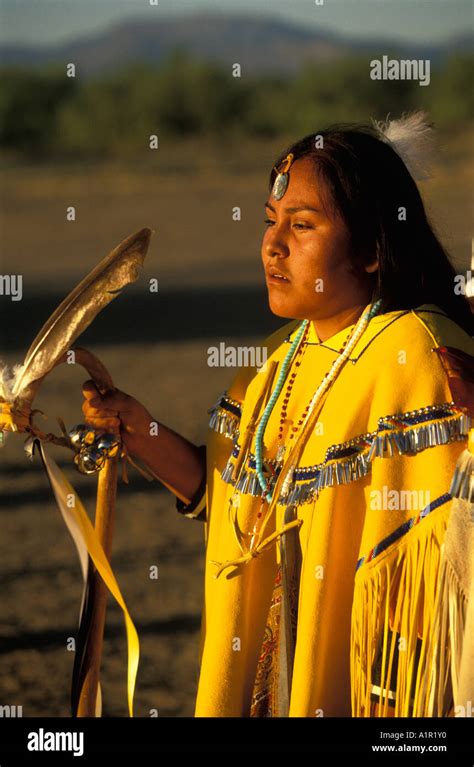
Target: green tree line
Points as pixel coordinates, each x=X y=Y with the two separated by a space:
x=44 y=113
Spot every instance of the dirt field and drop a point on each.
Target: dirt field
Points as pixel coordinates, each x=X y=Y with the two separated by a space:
x=156 y=348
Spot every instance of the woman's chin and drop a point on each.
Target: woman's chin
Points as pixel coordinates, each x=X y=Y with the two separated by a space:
x=283 y=308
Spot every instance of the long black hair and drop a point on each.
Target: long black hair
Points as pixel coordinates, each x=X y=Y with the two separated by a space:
x=368 y=184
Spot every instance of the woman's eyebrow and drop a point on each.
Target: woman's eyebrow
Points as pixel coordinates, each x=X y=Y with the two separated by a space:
x=296 y=209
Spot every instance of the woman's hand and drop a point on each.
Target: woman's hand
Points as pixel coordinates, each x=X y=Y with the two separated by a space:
x=119 y=413
x=176 y=462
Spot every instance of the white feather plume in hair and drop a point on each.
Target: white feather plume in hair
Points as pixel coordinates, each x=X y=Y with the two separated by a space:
x=412 y=138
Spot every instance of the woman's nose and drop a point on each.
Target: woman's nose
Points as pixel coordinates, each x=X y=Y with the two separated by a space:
x=275 y=244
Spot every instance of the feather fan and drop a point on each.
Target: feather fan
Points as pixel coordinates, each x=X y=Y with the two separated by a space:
x=79 y=309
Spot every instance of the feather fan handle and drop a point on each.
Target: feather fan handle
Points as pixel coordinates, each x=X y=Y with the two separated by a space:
x=79 y=309
x=412 y=138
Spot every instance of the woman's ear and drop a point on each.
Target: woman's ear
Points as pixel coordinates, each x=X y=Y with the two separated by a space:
x=372 y=267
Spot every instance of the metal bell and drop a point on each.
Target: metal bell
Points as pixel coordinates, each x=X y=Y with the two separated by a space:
x=90 y=460
x=89 y=437
x=109 y=444
x=77 y=434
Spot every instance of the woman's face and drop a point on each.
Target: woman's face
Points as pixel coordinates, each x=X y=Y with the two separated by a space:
x=309 y=248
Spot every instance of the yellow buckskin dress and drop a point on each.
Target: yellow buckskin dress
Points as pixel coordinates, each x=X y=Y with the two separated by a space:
x=334 y=609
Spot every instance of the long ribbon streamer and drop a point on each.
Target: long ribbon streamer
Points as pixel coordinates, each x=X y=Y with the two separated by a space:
x=87 y=544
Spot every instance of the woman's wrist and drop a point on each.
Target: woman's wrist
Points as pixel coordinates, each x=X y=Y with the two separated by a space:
x=140 y=437
x=176 y=462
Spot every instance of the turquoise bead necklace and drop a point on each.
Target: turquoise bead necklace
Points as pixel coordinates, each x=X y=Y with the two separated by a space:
x=271 y=404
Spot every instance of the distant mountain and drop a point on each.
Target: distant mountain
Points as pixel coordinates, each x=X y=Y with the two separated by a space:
x=258 y=44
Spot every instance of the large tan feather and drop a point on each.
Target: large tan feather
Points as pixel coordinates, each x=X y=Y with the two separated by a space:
x=79 y=309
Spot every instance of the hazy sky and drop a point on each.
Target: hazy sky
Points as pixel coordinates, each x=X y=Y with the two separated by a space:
x=43 y=21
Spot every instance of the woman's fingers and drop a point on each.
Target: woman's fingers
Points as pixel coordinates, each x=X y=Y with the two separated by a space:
x=113 y=401
x=104 y=424
x=97 y=410
x=97 y=415
x=107 y=412
x=89 y=390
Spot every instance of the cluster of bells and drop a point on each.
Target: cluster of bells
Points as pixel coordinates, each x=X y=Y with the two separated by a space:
x=93 y=449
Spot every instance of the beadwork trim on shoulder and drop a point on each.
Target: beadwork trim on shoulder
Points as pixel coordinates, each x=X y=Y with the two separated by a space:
x=225 y=416
x=403 y=529
x=347 y=462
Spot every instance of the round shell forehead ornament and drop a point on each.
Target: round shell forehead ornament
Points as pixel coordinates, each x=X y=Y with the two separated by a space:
x=281 y=182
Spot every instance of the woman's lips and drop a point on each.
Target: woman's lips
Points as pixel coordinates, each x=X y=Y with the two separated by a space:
x=277 y=279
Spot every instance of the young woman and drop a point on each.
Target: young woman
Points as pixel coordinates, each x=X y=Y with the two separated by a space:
x=324 y=484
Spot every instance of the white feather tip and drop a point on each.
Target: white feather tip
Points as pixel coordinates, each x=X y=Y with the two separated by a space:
x=8 y=379
x=412 y=138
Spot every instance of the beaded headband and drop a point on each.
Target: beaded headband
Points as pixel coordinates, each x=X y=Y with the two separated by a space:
x=281 y=182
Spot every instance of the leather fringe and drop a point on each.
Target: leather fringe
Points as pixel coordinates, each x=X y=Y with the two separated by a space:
x=462 y=485
x=408 y=613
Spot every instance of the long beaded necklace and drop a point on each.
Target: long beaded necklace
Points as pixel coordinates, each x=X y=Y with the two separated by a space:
x=328 y=379
x=286 y=398
x=281 y=450
x=271 y=404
